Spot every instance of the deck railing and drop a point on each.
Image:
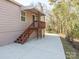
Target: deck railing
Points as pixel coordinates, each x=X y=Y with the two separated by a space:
x=39 y=24
x=35 y=26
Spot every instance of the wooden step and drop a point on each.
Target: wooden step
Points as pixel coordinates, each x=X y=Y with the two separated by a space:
x=26 y=34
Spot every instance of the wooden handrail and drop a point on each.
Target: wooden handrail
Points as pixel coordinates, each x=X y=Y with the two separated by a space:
x=26 y=34
x=40 y=24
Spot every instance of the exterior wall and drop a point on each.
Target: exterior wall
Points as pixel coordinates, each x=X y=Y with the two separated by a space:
x=29 y=17
x=29 y=21
x=43 y=18
x=11 y=25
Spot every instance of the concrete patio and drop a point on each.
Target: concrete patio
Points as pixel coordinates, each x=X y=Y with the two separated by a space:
x=49 y=47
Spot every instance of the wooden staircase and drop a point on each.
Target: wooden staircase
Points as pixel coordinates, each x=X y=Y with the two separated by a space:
x=26 y=34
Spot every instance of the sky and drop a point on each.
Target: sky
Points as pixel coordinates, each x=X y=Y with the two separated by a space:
x=28 y=2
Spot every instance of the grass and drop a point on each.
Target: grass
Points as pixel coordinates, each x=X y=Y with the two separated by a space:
x=77 y=55
x=70 y=52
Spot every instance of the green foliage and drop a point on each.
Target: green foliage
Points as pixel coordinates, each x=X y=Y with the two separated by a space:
x=66 y=17
x=49 y=29
x=75 y=31
x=51 y=1
x=70 y=52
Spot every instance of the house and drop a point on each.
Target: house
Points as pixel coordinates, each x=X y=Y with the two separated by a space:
x=19 y=23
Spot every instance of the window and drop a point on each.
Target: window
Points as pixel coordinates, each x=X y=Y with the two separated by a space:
x=22 y=16
x=34 y=17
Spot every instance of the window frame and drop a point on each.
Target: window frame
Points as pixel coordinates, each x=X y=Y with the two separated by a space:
x=23 y=16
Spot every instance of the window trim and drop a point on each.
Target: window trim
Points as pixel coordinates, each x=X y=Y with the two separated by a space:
x=23 y=16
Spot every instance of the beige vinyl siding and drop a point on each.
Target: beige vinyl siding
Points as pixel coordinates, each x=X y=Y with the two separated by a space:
x=9 y=16
x=11 y=25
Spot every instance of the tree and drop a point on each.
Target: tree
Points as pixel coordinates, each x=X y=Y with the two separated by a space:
x=66 y=15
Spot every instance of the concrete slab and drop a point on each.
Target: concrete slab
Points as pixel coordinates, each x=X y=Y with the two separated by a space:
x=49 y=47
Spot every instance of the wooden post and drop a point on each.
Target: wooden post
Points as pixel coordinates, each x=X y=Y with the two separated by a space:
x=44 y=29
x=38 y=20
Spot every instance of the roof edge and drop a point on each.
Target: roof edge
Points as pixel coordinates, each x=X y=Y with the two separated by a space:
x=14 y=2
x=25 y=8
